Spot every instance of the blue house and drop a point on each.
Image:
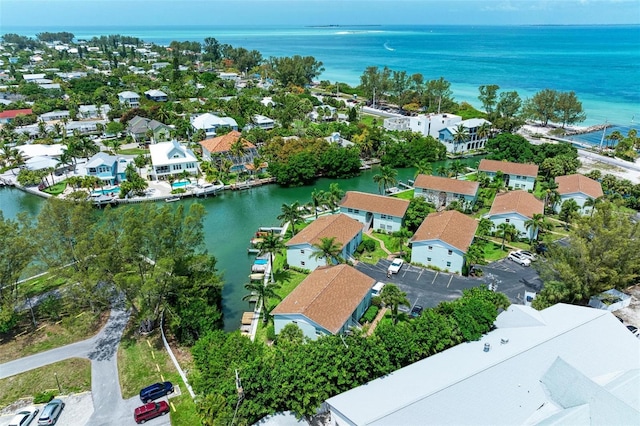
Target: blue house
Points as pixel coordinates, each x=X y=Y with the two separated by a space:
x=108 y=168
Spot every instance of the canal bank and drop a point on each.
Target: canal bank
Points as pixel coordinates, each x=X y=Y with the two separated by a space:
x=232 y=219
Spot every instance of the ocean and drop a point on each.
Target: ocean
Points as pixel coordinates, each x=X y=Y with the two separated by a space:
x=600 y=63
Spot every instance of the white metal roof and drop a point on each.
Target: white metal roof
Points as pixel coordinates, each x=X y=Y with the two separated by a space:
x=167 y=153
x=466 y=385
x=208 y=120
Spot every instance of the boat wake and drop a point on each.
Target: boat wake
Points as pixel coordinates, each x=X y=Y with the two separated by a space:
x=386 y=46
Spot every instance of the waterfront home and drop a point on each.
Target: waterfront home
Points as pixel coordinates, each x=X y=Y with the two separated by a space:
x=301 y=248
x=330 y=300
x=563 y=365
x=442 y=191
x=442 y=240
x=110 y=169
x=54 y=115
x=132 y=99
x=515 y=175
x=156 y=95
x=93 y=111
x=171 y=158
x=9 y=115
x=339 y=140
x=41 y=157
x=425 y=124
x=210 y=123
x=263 y=122
x=579 y=188
x=374 y=211
x=139 y=127
x=472 y=140
x=215 y=149
x=516 y=208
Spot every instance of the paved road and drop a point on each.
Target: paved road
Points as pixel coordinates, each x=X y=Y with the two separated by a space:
x=108 y=406
x=428 y=288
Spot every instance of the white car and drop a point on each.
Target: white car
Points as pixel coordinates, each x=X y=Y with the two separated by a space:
x=519 y=258
x=528 y=255
x=24 y=417
x=377 y=289
x=395 y=266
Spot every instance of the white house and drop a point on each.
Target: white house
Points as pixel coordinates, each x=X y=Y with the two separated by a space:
x=171 y=158
x=579 y=188
x=516 y=208
x=374 y=211
x=210 y=123
x=263 y=122
x=129 y=98
x=425 y=124
x=442 y=240
x=473 y=139
x=93 y=111
x=330 y=300
x=516 y=175
x=346 y=231
x=156 y=95
x=54 y=115
x=442 y=191
x=563 y=365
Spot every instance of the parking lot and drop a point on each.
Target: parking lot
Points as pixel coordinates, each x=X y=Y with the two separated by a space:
x=428 y=288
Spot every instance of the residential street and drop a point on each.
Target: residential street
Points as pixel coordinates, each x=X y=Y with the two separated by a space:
x=108 y=407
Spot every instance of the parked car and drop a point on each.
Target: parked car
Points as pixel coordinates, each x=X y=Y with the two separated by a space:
x=377 y=289
x=24 y=417
x=395 y=266
x=416 y=311
x=51 y=412
x=528 y=255
x=155 y=391
x=150 y=411
x=519 y=259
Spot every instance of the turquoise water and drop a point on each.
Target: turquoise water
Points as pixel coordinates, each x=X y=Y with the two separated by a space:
x=232 y=219
x=106 y=191
x=600 y=63
x=180 y=184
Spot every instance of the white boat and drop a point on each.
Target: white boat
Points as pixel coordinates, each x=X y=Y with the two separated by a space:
x=172 y=199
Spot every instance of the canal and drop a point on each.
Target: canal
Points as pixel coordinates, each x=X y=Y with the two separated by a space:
x=232 y=219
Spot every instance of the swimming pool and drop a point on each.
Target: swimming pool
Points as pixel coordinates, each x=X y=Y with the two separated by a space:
x=261 y=262
x=106 y=191
x=181 y=184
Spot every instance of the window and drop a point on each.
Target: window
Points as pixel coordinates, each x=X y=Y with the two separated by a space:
x=356 y=211
x=350 y=210
x=430 y=247
x=302 y=251
x=428 y=259
x=450 y=252
x=448 y=264
x=507 y=220
x=302 y=263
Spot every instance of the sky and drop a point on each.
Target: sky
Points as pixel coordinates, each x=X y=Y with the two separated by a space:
x=70 y=13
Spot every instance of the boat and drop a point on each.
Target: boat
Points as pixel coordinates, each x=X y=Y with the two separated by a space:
x=172 y=199
x=253 y=246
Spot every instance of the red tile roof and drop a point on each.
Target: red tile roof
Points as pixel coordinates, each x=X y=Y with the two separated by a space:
x=508 y=167
x=375 y=203
x=451 y=227
x=516 y=202
x=13 y=113
x=572 y=184
x=328 y=296
x=338 y=226
x=223 y=143
x=438 y=183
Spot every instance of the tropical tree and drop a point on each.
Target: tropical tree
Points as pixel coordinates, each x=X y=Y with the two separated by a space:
x=292 y=214
x=442 y=170
x=334 y=195
x=238 y=149
x=392 y=296
x=457 y=168
x=536 y=224
x=485 y=226
x=401 y=236
x=423 y=167
x=507 y=231
x=569 y=211
x=272 y=244
x=328 y=249
x=318 y=198
x=593 y=203
x=460 y=136
x=386 y=178
x=114 y=144
x=474 y=255
x=484 y=130
x=264 y=292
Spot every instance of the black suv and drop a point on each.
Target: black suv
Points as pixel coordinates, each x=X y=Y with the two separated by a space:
x=416 y=311
x=155 y=391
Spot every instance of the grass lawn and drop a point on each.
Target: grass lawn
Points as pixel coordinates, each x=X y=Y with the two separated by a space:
x=143 y=361
x=493 y=252
x=74 y=375
x=56 y=189
x=405 y=195
x=51 y=335
x=133 y=151
x=368 y=120
x=389 y=242
x=41 y=285
x=372 y=257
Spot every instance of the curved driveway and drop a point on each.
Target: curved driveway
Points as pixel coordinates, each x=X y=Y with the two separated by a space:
x=101 y=349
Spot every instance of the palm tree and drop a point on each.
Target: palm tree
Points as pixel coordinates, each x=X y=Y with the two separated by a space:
x=593 y=204
x=460 y=136
x=237 y=150
x=292 y=214
x=536 y=224
x=423 y=167
x=66 y=159
x=474 y=255
x=334 y=195
x=507 y=231
x=272 y=244
x=484 y=130
x=569 y=211
x=547 y=187
x=457 y=168
x=386 y=178
x=329 y=250
x=318 y=197
x=392 y=296
x=401 y=236
x=484 y=228
x=115 y=145
x=263 y=291
x=442 y=170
